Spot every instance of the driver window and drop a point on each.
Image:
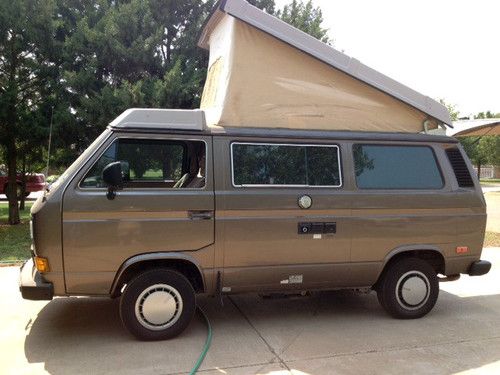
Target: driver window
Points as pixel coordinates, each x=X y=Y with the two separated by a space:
x=153 y=163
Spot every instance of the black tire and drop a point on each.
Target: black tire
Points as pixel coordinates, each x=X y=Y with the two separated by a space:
x=380 y=297
x=409 y=288
x=19 y=190
x=164 y=286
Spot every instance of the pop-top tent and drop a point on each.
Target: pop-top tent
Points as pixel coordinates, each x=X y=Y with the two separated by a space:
x=265 y=73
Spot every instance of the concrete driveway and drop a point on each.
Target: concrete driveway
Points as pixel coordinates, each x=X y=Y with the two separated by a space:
x=334 y=332
x=31 y=197
x=493 y=209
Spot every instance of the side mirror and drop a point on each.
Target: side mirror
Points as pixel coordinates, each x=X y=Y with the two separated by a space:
x=113 y=178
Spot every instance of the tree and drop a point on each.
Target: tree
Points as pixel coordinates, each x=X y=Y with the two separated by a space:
x=471 y=147
x=489 y=146
x=305 y=17
x=454 y=112
x=487 y=114
x=31 y=144
x=26 y=44
x=482 y=150
x=133 y=53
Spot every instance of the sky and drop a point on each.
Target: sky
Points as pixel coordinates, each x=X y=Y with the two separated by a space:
x=441 y=48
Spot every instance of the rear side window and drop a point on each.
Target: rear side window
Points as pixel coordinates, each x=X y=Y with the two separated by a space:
x=285 y=165
x=396 y=167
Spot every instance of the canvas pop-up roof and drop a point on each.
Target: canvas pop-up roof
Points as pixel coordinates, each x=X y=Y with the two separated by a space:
x=266 y=73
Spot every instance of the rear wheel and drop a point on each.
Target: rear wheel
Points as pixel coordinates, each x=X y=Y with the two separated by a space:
x=409 y=288
x=157 y=305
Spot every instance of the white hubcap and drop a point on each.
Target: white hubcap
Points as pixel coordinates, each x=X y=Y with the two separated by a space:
x=412 y=290
x=158 y=307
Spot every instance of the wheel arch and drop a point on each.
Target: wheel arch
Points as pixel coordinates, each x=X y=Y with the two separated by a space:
x=431 y=254
x=181 y=262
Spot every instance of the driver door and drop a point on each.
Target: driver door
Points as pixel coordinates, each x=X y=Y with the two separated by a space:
x=166 y=189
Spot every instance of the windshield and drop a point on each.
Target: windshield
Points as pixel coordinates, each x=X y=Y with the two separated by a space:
x=85 y=155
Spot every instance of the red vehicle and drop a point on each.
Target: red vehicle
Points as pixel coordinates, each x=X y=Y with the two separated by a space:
x=34 y=182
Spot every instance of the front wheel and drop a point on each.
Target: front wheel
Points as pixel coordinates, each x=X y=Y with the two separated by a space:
x=409 y=288
x=157 y=305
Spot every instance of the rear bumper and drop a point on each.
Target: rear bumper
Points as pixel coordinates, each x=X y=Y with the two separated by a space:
x=32 y=285
x=479 y=267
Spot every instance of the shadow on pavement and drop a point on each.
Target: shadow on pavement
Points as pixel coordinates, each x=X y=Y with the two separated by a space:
x=84 y=335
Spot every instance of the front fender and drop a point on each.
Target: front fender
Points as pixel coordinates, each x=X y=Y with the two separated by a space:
x=148 y=257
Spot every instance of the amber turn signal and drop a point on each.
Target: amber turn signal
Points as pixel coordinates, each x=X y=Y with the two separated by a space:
x=42 y=264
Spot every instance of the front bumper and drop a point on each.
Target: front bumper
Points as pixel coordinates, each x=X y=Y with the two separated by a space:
x=32 y=285
x=479 y=267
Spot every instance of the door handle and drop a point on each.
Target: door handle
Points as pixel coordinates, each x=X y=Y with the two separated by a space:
x=200 y=215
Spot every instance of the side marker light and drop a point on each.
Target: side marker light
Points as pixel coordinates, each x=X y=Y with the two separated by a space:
x=42 y=264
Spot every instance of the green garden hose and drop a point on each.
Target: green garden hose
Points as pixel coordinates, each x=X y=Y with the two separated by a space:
x=207 y=343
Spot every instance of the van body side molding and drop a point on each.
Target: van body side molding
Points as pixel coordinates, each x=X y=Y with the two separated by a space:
x=151 y=257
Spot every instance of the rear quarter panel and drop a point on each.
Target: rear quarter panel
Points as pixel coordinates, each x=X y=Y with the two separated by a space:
x=441 y=219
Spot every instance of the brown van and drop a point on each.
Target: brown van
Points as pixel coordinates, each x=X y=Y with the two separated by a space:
x=157 y=214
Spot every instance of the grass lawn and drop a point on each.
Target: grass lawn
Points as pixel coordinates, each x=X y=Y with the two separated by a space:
x=15 y=240
x=490 y=181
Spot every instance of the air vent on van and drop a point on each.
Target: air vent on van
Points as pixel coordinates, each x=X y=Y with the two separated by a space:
x=459 y=167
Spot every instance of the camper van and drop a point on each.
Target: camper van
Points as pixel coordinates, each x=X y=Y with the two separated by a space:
x=264 y=189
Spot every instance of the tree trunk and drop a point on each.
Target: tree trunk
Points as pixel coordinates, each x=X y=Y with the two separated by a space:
x=479 y=171
x=170 y=37
x=12 y=182
x=169 y=52
x=23 y=184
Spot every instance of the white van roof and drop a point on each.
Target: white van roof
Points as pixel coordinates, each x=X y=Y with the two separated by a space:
x=250 y=15
x=156 y=118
